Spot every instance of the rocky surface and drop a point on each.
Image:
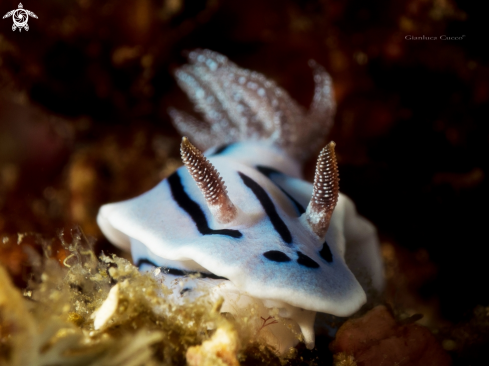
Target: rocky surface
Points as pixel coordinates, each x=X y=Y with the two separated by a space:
x=378 y=339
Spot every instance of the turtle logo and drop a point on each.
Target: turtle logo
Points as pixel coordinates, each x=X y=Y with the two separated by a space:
x=20 y=17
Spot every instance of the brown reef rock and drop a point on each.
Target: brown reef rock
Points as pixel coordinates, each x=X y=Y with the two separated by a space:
x=378 y=339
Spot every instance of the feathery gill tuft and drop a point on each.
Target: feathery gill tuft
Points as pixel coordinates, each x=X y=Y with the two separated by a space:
x=243 y=105
x=209 y=182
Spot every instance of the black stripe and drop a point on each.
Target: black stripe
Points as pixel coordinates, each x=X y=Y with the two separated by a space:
x=267 y=171
x=179 y=272
x=325 y=253
x=194 y=210
x=306 y=261
x=276 y=256
x=269 y=207
x=221 y=149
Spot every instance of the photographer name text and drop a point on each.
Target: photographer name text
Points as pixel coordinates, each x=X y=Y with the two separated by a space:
x=433 y=38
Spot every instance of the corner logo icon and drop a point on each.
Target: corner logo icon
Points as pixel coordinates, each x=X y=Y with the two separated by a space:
x=20 y=17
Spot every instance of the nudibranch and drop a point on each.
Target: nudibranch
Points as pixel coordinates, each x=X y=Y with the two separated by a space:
x=241 y=216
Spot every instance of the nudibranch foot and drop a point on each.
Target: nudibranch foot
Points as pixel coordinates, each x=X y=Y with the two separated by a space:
x=279 y=325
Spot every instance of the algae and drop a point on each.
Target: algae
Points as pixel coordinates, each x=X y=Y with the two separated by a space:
x=103 y=311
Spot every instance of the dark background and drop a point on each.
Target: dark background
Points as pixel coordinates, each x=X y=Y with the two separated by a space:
x=84 y=94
